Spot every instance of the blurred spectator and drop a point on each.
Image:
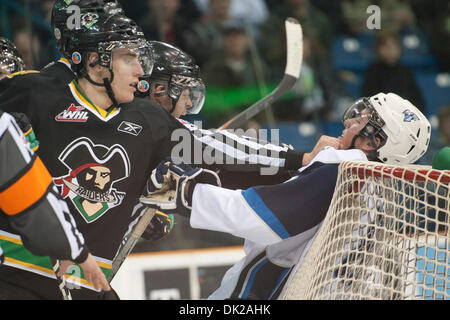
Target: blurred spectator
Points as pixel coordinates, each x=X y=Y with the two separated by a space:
x=386 y=74
x=138 y=9
x=318 y=94
x=395 y=14
x=254 y=12
x=204 y=42
x=333 y=10
x=164 y=22
x=46 y=9
x=444 y=126
x=273 y=42
x=434 y=19
x=442 y=138
x=233 y=73
x=355 y=14
x=29 y=47
x=233 y=66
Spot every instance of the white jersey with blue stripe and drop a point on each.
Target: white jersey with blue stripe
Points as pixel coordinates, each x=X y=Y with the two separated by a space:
x=278 y=222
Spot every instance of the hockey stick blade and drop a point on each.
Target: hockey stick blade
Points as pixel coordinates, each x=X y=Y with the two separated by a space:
x=294 y=40
x=137 y=232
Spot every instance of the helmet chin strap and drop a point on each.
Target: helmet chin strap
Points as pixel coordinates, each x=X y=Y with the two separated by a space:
x=174 y=104
x=106 y=83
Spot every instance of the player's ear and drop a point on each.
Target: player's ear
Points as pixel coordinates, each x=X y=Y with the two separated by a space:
x=93 y=59
x=158 y=93
x=159 y=90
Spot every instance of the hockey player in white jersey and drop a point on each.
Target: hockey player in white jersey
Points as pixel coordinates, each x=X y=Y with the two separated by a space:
x=279 y=222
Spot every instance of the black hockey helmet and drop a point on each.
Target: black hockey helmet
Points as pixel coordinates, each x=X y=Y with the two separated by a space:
x=103 y=33
x=62 y=14
x=10 y=59
x=176 y=70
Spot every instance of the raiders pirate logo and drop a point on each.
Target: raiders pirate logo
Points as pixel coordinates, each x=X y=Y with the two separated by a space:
x=93 y=171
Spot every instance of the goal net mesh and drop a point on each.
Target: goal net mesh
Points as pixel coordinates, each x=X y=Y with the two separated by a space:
x=385 y=236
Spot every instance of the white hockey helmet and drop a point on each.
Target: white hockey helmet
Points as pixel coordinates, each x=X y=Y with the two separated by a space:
x=404 y=130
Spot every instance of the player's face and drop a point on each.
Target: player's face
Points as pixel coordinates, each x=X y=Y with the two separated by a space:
x=352 y=128
x=163 y=100
x=184 y=103
x=127 y=70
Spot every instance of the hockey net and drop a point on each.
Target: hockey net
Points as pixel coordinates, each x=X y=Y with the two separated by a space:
x=385 y=236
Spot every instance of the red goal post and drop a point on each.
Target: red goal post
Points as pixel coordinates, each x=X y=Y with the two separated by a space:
x=386 y=236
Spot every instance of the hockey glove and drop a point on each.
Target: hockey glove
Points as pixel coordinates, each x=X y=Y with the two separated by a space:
x=27 y=129
x=160 y=225
x=167 y=187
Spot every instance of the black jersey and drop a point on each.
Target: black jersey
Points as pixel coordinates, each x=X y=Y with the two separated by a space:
x=60 y=70
x=100 y=159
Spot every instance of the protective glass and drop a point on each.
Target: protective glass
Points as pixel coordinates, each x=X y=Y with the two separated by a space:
x=196 y=91
x=362 y=108
x=133 y=49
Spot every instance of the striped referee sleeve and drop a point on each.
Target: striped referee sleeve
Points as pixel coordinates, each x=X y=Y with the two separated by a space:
x=241 y=153
x=30 y=201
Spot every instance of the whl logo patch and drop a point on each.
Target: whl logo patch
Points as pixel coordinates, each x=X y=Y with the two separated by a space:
x=130 y=128
x=73 y=114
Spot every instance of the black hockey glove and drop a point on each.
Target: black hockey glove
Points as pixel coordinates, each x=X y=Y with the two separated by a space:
x=160 y=225
x=171 y=186
x=25 y=125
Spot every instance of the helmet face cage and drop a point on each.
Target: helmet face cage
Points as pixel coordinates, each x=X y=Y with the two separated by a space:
x=140 y=47
x=196 y=88
x=110 y=33
x=11 y=64
x=361 y=108
x=10 y=59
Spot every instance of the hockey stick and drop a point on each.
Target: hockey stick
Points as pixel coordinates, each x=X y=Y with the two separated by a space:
x=65 y=292
x=294 y=40
x=131 y=240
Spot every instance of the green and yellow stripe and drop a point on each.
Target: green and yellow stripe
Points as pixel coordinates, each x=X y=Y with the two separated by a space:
x=16 y=255
x=104 y=114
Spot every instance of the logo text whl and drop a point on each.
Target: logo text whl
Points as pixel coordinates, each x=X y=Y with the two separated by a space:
x=73 y=114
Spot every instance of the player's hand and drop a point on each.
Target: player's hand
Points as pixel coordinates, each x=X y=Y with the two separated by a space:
x=324 y=141
x=160 y=225
x=63 y=266
x=160 y=179
x=92 y=272
x=168 y=185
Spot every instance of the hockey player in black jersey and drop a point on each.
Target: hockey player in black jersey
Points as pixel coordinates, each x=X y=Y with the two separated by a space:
x=98 y=143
